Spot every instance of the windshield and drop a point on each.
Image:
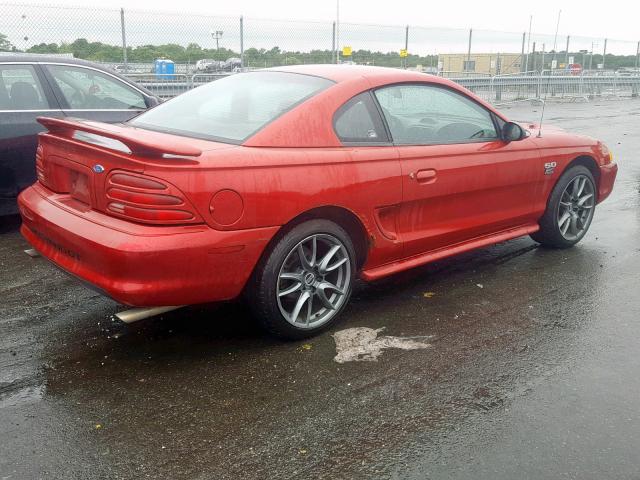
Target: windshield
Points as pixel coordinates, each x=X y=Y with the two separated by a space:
x=233 y=108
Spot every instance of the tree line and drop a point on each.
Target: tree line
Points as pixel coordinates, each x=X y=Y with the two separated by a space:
x=254 y=57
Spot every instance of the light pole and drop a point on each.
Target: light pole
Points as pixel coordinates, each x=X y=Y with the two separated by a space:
x=217 y=34
x=593 y=46
x=526 y=64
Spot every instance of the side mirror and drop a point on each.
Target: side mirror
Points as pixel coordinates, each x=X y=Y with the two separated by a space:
x=512 y=132
x=151 y=101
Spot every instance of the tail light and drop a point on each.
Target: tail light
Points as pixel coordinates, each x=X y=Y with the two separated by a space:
x=144 y=199
x=40 y=166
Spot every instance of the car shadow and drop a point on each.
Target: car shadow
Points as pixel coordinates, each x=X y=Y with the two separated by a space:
x=10 y=223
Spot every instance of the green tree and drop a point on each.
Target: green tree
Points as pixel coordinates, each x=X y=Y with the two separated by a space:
x=44 y=48
x=5 y=44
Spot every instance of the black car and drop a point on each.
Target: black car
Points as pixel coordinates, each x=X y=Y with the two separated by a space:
x=37 y=85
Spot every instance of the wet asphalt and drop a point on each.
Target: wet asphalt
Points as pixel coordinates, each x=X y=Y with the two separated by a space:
x=533 y=370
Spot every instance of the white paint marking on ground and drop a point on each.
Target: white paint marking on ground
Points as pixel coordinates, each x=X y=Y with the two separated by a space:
x=363 y=344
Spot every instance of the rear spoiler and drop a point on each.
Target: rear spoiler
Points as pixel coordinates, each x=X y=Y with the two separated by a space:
x=140 y=142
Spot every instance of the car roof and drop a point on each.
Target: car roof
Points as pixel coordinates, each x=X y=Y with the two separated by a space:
x=319 y=110
x=341 y=73
x=39 y=58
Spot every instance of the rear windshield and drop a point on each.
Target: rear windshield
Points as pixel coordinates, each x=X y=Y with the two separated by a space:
x=233 y=108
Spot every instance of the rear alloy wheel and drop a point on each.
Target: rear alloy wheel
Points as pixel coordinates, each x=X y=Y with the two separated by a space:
x=305 y=281
x=313 y=281
x=570 y=209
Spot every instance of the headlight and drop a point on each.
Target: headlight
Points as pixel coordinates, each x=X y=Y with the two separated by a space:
x=607 y=154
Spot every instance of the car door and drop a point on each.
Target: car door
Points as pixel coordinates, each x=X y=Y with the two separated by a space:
x=89 y=93
x=24 y=96
x=359 y=126
x=459 y=179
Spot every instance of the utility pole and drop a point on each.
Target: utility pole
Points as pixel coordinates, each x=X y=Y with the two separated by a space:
x=593 y=45
x=566 y=54
x=469 y=49
x=637 y=56
x=526 y=65
x=604 y=53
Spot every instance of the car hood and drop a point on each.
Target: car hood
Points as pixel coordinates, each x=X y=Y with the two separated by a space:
x=558 y=134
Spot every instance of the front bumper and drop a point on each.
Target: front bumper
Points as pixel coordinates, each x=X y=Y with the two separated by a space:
x=608 y=174
x=141 y=265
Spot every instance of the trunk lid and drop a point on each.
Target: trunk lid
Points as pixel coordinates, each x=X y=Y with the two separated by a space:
x=83 y=161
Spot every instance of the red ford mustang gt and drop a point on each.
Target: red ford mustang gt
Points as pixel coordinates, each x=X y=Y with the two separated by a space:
x=285 y=184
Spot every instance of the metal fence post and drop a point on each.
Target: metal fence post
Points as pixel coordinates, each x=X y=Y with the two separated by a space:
x=241 y=41
x=522 y=64
x=636 y=75
x=406 y=44
x=337 y=23
x=498 y=87
x=492 y=87
x=533 y=58
x=124 y=41
x=334 y=49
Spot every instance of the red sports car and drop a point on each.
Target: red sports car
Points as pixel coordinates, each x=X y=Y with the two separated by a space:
x=285 y=184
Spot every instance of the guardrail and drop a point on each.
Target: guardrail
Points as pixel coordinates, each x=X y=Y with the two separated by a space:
x=501 y=89
x=496 y=89
x=168 y=85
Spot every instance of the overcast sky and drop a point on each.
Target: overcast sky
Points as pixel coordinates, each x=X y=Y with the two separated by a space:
x=619 y=19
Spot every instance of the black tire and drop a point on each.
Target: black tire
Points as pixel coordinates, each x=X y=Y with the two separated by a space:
x=550 y=234
x=262 y=292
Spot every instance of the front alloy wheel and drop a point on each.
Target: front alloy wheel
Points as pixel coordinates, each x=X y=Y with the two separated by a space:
x=570 y=209
x=575 y=209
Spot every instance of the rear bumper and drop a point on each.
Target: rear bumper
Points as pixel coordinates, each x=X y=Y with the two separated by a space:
x=607 y=179
x=141 y=265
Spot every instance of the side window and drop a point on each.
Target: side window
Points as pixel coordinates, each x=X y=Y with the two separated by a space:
x=87 y=89
x=20 y=89
x=358 y=121
x=428 y=114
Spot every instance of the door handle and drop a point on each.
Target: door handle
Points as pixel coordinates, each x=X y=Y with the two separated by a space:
x=424 y=176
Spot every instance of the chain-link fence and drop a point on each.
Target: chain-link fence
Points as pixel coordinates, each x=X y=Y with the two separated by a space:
x=500 y=66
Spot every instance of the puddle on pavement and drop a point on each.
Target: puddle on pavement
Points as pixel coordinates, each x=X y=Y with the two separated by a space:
x=363 y=344
x=18 y=396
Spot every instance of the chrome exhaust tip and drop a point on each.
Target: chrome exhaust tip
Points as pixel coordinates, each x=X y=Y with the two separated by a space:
x=32 y=252
x=136 y=314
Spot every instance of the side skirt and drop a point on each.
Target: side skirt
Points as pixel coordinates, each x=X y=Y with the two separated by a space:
x=418 y=260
